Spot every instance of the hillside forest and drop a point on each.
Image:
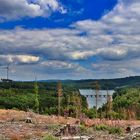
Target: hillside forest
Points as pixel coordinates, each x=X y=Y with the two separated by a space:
x=43 y=98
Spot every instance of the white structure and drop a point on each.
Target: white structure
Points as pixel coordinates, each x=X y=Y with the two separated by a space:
x=90 y=95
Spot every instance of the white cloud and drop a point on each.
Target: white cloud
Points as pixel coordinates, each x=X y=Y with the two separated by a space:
x=78 y=55
x=16 y=9
x=114 y=40
x=120 y=29
x=58 y=66
x=48 y=69
x=116 y=68
x=53 y=44
x=18 y=59
x=114 y=53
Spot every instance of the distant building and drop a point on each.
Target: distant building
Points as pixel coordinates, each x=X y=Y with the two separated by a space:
x=90 y=94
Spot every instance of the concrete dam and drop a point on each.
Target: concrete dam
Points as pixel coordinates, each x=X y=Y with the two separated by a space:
x=92 y=97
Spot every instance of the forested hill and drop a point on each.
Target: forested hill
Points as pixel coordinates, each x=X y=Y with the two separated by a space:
x=104 y=83
x=133 y=81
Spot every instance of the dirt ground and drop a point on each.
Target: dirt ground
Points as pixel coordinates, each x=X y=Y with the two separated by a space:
x=20 y=125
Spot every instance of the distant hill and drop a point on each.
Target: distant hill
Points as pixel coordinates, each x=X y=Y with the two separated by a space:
x=131 y=81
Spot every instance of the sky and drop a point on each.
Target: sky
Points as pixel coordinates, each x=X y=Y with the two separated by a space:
x=69 y=39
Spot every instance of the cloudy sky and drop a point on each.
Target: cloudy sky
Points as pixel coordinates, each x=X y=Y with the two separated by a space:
x=69 y=39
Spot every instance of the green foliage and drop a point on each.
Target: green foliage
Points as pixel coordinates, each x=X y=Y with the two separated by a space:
x=101 y=127
x=13 y=100
x=105 y=83
x=114 y=115
x=115 y=130
x=39 y=96
x=83 y=130
x=110 y=129
x=127 y=103
x=50 y=137
x=42 y=97
x=84 y=102
x=51 y=110
x=91 y=113
x=36 y=106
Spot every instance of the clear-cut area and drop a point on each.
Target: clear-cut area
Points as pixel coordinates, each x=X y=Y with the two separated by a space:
x=14 y=126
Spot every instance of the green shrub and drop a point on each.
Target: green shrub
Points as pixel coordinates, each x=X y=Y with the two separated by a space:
x=101 y=127
x=14 y=108
x=51 y=110
x=111 y=130
x=91 y=113
x=2 y=107
x=83 y=129
x=115 y=130
x=50 y=137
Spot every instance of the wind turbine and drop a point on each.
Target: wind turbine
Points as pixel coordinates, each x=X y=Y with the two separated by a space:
x=7 y=68
x=7 y=71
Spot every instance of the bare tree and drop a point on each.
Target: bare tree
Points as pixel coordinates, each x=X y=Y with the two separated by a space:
x=59 y=92
x=97 y=88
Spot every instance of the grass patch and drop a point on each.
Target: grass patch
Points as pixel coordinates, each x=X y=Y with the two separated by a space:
x=50 y=137
x=83 y=129
x=110 y=129
x=115 y=130
x=101 y=127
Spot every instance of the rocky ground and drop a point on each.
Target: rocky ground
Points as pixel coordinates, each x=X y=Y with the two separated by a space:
x=20 y=125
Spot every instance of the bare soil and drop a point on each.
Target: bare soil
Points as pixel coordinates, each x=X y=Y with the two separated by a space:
x=14 y=126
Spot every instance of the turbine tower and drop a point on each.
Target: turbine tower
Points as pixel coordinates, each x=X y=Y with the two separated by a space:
x=7 y=68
